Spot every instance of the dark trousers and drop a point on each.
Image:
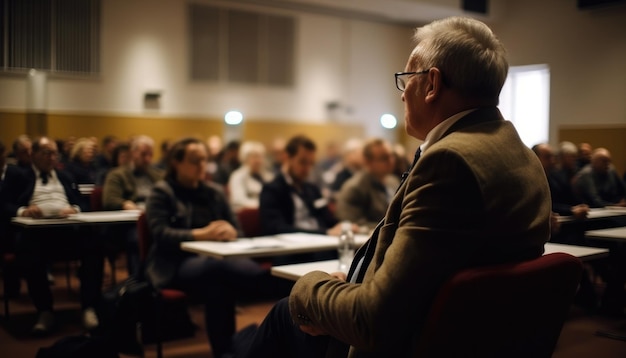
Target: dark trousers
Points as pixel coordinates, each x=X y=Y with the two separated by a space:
x=124 y=238
x=279 y=337
x=218 y=283
x=35 y=248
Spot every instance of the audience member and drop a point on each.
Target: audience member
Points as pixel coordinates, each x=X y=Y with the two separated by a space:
x=104 y=159
x=476 y=196
x=364 y=198
x=291 y=204
x=278 y=155
x=351 y=162
x=128 y=188
x=564 y=202
x=22 y=149
x=119 y=158
x=3 y=163
x=402 y=164
x=82 y=162
x=42 y=191
x=185 y=208
x=584 y=155
x=598 y=184
x=246 y=182
x=165 y=147
x=567 y=158
x=227 y=162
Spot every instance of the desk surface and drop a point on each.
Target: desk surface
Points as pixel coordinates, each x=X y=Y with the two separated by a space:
x=93 y=217
x=596 y=214
x=283 y=244
x=295 y=271
x=613 y=234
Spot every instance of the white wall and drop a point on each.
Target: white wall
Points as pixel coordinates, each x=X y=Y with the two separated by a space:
x=586 y=53
x=144 y=48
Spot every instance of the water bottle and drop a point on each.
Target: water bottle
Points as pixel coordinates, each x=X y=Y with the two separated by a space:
x=345 y=249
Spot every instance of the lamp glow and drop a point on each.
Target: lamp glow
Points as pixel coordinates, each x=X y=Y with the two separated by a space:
x=233 y=118
x=388 y=121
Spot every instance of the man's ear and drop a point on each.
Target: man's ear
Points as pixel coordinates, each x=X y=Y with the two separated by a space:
x=435 y=85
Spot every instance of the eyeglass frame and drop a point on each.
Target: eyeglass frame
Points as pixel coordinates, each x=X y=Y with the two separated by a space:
x=399 y=80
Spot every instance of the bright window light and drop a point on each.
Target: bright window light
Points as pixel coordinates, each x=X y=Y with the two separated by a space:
x=388 y=121
x=233 y=118
x=525 y=101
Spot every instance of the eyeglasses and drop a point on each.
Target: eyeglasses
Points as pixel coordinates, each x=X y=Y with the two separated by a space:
x=403 y=77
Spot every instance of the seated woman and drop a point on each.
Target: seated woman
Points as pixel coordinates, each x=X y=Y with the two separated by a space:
x=246 y=182
x=182 y=207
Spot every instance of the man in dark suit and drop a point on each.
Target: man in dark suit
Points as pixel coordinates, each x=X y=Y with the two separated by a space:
x=41 y=191
x=475 y=196
x=291 y=204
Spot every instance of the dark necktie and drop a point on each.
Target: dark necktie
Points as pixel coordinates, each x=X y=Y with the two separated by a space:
x=44 y=177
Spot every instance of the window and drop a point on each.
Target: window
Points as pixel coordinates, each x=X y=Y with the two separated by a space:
x=525 y=101
x=50 y=35
x=241 y=46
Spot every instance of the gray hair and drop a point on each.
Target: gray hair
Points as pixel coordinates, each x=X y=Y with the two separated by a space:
x=470 y=57
x=248 y=148
x=141 y=140
x=568 y=148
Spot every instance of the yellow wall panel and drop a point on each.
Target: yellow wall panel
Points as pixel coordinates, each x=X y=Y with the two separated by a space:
x=11 y=126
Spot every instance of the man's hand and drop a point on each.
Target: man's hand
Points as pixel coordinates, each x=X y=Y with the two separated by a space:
x=218 y=230
x=33 y=211
x=65 y=212
x=580 y=211
x=129 y=205
x=336 y=230
x=339 y=275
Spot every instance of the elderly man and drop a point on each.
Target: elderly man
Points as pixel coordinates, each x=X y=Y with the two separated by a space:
x=128 y=188
x=475 y=195
x=41 y=191
x=364 y=198
x=598 y=184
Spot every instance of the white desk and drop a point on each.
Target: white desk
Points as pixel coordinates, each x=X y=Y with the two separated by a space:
x=295 y=271
x=613 y=234
x=596 y=214
x=283 y=244
x=86 y=218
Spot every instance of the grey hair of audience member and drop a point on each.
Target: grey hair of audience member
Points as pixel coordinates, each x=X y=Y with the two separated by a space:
x=251 y=147
x=141 y=140
x=177 y=152
x=470 y=57
x=20 y=141
x=80 y=145
x=568 y=148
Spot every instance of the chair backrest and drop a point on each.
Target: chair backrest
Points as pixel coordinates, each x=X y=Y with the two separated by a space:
x=144 y=239
x=510 y=310
x=95 y=199
x=250 y=221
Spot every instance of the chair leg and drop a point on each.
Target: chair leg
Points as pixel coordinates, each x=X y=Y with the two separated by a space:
x=157 y=329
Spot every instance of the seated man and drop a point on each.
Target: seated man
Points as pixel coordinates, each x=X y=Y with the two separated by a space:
x=598 y=184
x=475 y=196
x=564 y=202
x=41 y=191
x=364 y=198
x=127 y=188
x=291 y=204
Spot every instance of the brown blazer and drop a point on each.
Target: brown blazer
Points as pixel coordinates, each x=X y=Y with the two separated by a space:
x=120 y=186
x=476 y=197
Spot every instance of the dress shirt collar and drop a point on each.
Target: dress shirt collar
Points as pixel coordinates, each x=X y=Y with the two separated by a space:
x=51 y=175
x=437 y=133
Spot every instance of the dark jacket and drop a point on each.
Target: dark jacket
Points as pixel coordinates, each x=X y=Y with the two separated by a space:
x=276 y=207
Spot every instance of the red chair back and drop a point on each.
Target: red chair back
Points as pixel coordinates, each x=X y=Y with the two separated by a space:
x=511 y=310
x=144 y=238
x=250 y=221
x=95 y=199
